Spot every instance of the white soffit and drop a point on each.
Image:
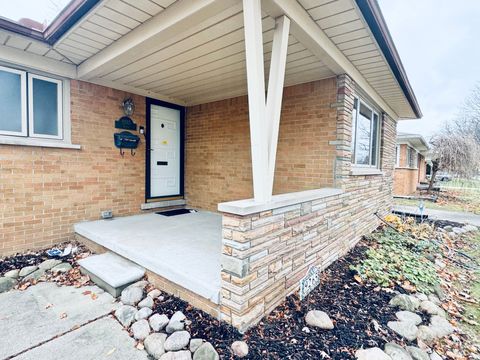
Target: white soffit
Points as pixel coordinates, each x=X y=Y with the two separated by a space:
x=343 y=23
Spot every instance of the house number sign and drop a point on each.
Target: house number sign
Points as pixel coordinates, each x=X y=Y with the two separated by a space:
x=309 y=282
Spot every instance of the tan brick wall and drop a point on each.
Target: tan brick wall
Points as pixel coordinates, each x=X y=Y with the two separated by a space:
x=218 y=162
x=44 y=191
x=266 y=254
x=405 y=179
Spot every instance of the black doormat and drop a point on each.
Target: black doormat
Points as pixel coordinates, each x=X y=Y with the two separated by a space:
x=175 y=212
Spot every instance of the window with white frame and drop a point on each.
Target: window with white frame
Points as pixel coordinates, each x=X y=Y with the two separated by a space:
x=31 y=105
x=365 y=135
x=412 y=157
x=397 y=156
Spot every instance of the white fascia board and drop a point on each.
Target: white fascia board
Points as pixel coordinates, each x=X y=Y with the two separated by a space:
x=178 y=17
x=307 y=31
x=37 y=62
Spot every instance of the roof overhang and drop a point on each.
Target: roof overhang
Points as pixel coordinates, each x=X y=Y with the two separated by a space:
x=192 y=52
x=416 y=141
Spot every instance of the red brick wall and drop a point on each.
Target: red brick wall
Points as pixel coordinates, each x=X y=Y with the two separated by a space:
x=44 y=191
x=218 y=161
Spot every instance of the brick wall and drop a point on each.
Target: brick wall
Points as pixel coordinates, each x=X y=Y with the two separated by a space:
x=218 y=161
x=406 y=179
x=44 y=191
x=266 y=254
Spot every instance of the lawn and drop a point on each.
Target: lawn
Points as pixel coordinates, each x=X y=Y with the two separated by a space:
x=449 y=199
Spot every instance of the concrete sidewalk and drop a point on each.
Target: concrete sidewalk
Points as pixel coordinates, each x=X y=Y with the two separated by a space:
x=51 y=322
x=461 y=217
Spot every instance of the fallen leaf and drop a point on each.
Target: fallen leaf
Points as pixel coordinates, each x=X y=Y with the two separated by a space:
x=110 y=352
x=86 y=292
x=63 y=315
x=94 y=296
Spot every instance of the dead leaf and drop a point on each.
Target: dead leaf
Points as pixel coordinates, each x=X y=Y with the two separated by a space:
x=94 y=296
x=110 y=352
x=63 y=315
x=86 y=292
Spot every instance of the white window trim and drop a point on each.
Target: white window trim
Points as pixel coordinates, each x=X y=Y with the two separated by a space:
x=398 y=148
x=379 y=131
x=31 y=119
x=23 y=102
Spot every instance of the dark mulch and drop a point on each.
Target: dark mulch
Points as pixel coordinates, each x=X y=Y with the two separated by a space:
x=351 y=305
x=21 y=260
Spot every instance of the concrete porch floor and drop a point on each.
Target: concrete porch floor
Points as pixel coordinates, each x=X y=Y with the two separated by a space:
x=184 y=249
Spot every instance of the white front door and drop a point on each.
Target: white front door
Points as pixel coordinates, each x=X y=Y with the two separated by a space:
x=165 y=151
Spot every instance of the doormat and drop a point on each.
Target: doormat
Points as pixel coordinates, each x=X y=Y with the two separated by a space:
x=176 y=212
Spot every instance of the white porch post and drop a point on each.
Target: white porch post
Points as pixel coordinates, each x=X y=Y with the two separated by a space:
x=264 y=115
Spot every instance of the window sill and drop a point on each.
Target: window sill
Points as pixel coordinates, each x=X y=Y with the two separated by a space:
x=9 y=140
x=361 y=171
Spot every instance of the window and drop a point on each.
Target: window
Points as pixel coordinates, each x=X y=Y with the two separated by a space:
x=365 y=135
x=30 y=105
x=412 y=158
x=397 y=155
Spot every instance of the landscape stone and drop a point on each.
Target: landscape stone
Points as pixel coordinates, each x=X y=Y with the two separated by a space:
x=27 y=270
x=154 y=345
x=374 y=353
x=469 y=228
x=406 y=329
x=62 y=268
x=125 y=314
x=448 y=228
x=6 y=284
x=158 y=322
x=195 y=344
x=434 y=298
x=240 y=349
x=177 y=341
x=143 y=313
x=439 y=292
x=435 y=356
x=155 y=293
x=425 y=334
x=140 y=329
x=457 y=230
x=147 y=302
x=176 y=323
x=421 y=297
x=131 y=295
x=319 y=319
x=416 y=353
x=440 y=326
x=12 y=274
x=34 y=276
x=431 y=309
x=396 y=352
x=48 y=264
x=404 y=302
x=206 y=352
x=177 y=355
x=409 y=316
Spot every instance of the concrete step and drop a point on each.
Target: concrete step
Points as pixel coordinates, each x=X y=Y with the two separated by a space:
x=111 y=272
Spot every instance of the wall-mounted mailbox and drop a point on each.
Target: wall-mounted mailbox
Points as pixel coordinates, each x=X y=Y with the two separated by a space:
x=126 y=140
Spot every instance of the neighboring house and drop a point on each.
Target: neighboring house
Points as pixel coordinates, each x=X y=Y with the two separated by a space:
x=410 y=164
x=283 y=181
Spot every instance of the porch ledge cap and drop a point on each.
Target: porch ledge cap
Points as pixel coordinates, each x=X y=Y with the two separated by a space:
x=249 y=206
x=357 y=171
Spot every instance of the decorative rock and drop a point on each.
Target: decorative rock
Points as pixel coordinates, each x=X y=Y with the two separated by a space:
x=440 y=326
x=240 y=349
x=12 y=274
x=177 y=355
x=206 y=352
x=48 y=264
x=140 y=329
x=469 y=228
x=416 y=353
x=34 y=276
x=439 y=292
x=6 y=284
x=396 y=352
x=434 y=298
x=125 y=314
x=132 y=295
x=457 y=230
x=154 y=345
x=435 y=356
x=431 y=309
x=406 y=329
x=177 y=341
x=176 y=323
x=404 y=302
x=155 y=293
x=408 y=316
x=147 y=302
x=319 y=319
x=27 y=270
x=143 y=313
x=421 y=297
x=195 y=344
x=371 y=354
x=448 y=228
x=306 y=330
x=140 y=284
x=425 y=334
x=158 y=322
x=62 y=268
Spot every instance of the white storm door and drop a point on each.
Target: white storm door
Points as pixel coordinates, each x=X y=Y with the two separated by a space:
x=165 y=141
